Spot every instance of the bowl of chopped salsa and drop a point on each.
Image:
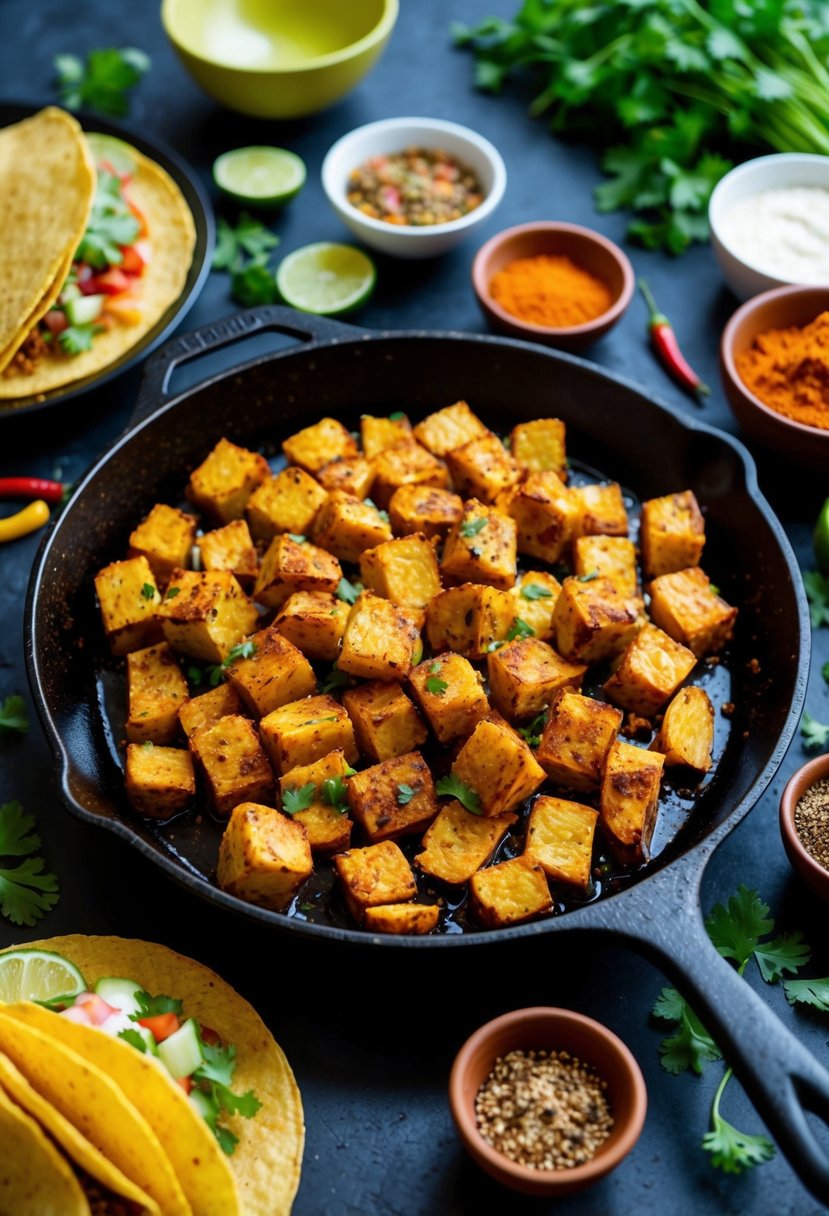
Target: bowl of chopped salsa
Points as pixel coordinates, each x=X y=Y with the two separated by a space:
x=413 y=187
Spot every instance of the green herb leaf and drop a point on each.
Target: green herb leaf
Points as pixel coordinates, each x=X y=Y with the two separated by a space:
x=172 y=592
x=148 y=591
x=817 y=593
x=471 y=527
x=534 y=591
x=451 y=786
x=589 y=577
x=298 y=799
x=111 y=225
x=248 y=236
x=384 y=515
x=102 y=83
x=690 y=1047
x=532 y=734
x=824 y=671
x=334 y=793
x=669 y=1005
x=76 y=338
x=335 y=681
x=13 y=717
x=815 y=734
x=808 y=992
x=397 y=416
x=242 y=650
x=297 y=538
x=151 y=1006
x=737 y=928
x=253 y=284
x=195 y=675
x=317 y=721
x=519 y=629
x=348 y=591
x=436 y=686
x=134 y=1039
x=26 y=893
x=788 y=952
x=733 y=1151
x=405 y=793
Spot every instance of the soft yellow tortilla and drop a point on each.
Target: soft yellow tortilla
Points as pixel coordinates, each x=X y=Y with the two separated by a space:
x=14 y=1085
x=97 y=1108
x=34 y=1178
x=171 y=235
x=47 y=184
x=268 y=1158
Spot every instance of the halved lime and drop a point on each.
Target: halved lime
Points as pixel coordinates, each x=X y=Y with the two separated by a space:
x=119 y=155
x=259 y=176
x=38 y=975
x=326 y=279
x=820 y=538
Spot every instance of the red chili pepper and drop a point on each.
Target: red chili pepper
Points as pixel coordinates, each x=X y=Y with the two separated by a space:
x=31 y=487
x=667 y=347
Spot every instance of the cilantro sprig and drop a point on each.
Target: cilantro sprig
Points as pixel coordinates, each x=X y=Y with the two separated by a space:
x=334 y=793
x=817 y=593
x=451 y=786
x=13 y=717
x=150 y=1006
x=348 y=591
x=535 y=591
x=102 y=81
x=299 y=798
x=471 y=527
x=26 y=892
x=815 y=734
x=244 y=251
x=213 y=1080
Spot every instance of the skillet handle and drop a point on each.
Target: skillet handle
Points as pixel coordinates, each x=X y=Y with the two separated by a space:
x=784 y=1081
x=270 y=318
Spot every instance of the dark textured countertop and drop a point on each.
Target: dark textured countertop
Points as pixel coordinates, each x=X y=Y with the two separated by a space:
x=372 y=1046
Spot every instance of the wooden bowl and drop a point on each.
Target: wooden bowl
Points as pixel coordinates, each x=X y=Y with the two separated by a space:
x=777 y=309
x=802 y=861
x=550 y=1029
x=588 y=249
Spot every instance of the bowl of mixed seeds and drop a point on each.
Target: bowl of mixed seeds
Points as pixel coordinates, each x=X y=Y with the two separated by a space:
x=413 y=187
x=804 y=824
x=546 y=1100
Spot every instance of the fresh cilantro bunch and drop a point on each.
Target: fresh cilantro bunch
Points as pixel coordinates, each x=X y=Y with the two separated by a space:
x=741 y=930
x=111 y=225
x=669 y=88
x=26 y=893
x=13 y=717
x=244 y=250
x=102 y=81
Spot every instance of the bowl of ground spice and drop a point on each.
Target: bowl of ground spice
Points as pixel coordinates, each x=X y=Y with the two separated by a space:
x=551 y=282
x=804 y=824
x=546 y=1100
x=774 y=360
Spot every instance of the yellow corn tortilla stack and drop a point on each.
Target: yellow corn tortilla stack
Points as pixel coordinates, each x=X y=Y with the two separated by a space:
x=47 y=184
x=34 y=1179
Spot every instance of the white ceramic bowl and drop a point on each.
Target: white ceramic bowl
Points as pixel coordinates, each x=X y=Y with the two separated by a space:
x=395 y=135
x=755 y=176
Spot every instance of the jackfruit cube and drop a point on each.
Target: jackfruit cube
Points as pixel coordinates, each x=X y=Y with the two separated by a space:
x=353 y=475
x=545 y=513
x=426 y=509
x=592 y=621
x=577 y=738
x=406 y=463
x=315 y=622
x=165 y=538
x=264 y=857
x=376 y=875
x=230 y=548
x=458 y=843
x=611 y=557
x=380 y=433
x=288 y=502
x=156 y=691
x=394 y=798
x=304 y=731
x=449 y=691
x=159 y=780
x=651 y=669
x=205 y=710
x=225 y=480
x=498 y=765
x=345 y=526
x=601 y=510
x=560 y=838
x=379 y=640
x=630 y=800
x=235 y=767
x=316 y=446
x=686 y=736
x=449 y=428
x=386 y=722
x=481 y=548
x=469 y=618
x=289 y=566
x=535 y=595
x=408 y=919
x=672 y=533
x=327 y=826
x=509 y=893
x=686 y=606
x=540 y=446
x=129 y=602
x=482 y=468
x=274 y=674
x=525 y=674
x=206 y=614
x=404 y=570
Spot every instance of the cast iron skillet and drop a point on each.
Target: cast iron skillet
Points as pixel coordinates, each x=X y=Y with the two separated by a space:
x=613 y=427
x=197 y=200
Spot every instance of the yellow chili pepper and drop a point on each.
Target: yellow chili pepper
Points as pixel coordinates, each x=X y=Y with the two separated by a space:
x=32 y=517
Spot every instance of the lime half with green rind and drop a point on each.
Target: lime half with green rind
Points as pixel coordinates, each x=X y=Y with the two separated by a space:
x=38 y=975
x=112 y=151
x=326 y=279
x=260 y=176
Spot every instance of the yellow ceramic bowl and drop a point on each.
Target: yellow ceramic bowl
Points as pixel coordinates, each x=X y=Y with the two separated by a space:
x=278 y=58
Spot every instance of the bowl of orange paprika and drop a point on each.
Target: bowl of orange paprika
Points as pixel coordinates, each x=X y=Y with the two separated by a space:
x=555 y=283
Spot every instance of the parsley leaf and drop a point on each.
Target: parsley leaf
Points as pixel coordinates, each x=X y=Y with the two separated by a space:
x=436 y=686
x=737 y=928
x=817 y=593
x=532 y=734
x=298 y=799
x=151 y=1006
x=133 y=1038
x=690 y=1046
x=451 y=786
x=348 y=591
x=534 y=591
x=13 y=717
x=519 y=629
x=733 y=1151
x=242 y=650
x=471 y=527
x=77 y=338
x=808 y=992
x=26 y=893
x=788 y=952
x=405 y=793
x=148 y=591
x=249 y=236
x=334 y=793
x=253 y=284
x=815 y=734
x=103 y=81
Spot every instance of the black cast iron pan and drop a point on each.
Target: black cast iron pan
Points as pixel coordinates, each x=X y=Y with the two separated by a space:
x=613 y=427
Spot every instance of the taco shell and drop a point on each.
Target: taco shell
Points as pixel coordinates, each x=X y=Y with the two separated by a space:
x=34 y=1178
x=267 y=1161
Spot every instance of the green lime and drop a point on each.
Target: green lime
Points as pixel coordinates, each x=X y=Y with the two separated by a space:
x=38 y=975
x=117 y=154
x=326 y=279
x=259 y=177
x=820 y=538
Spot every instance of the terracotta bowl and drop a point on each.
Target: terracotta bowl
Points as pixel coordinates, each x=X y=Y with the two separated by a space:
x=589 y=249
x=777 y=309
x=801 y=859
x=543 y=1028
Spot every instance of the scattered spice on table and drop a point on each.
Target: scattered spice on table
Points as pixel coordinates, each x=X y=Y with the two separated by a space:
x=550 y=290
x=544 y=1110
x=419 y=186
x=811 y=821
x=788 y=369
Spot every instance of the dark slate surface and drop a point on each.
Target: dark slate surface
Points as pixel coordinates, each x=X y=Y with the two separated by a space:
x=372 y=1046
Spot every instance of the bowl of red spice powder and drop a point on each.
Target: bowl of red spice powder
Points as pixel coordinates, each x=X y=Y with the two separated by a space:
x=804 y=824
x=774 y=361
x=551 y=282
x=546 y=1100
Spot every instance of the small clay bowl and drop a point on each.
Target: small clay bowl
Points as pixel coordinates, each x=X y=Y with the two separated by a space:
x=777 y=309
x=802 y=861
x=588 y=249
x=548 y=1029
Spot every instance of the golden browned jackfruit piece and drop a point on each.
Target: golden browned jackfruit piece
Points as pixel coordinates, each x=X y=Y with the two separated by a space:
x=651 y=669
x=156 y=691
x=165 y=538
x=458 y=843
x=230 y=548
x=560 y=838
x=509 y=893
x=535 y=595
x=686 y=606
x=205 y=710
x=611 y=557
x=380 y=641
x=160 y=780
x=577 y=738
x=406 y=919
x=540 y=446
x=404 y=570
x=525 y=674
x=264 y=857
x=289 y=566
x=235 y=767
x=288 y=502
x=672 y=533
x=206 y=614
x=325 y=820
x=376 y=875
x=545 y=514
x=129 y=602
x=426 y=509
x=394 y=798
x=601 y=510
x=482 y=468
x=498 y=765
x=592 y=621
x=386 y=722
x=469 y=618
x=225 y=480
x=449 y=428
x=304 y=731
x=686 y=736
x=346 y=526
x=406 y=463
x=630 y=800
x=316 y=446
x=274 y=673
x=315 y=622
x=481 y=548
x=353 y=475
x=379 y=433
x=449 y=691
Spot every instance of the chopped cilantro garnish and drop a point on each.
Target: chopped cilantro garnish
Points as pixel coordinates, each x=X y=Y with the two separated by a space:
x=519 y=629
x=103 y=81
x=451 y=786
x=298 y=799
x=77 y=338
x=133 y=1038
x=13 y=718
x=334 y=792
x=151 y=1006
x=243 y=650
x=405 y=793
x=213 y=1079
x=335 y=681
x=348 y=591
x=534 y=591
x=172 y=592
x=532 y=734
x=297 y=537
x=111 y=226
x=384 y=515
x=471 y=527
x=397 y=416
x=588 y=578
x=436 y=686
x=254 y=284
x=148 y=591
x=26 y=893
x=249 y=236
